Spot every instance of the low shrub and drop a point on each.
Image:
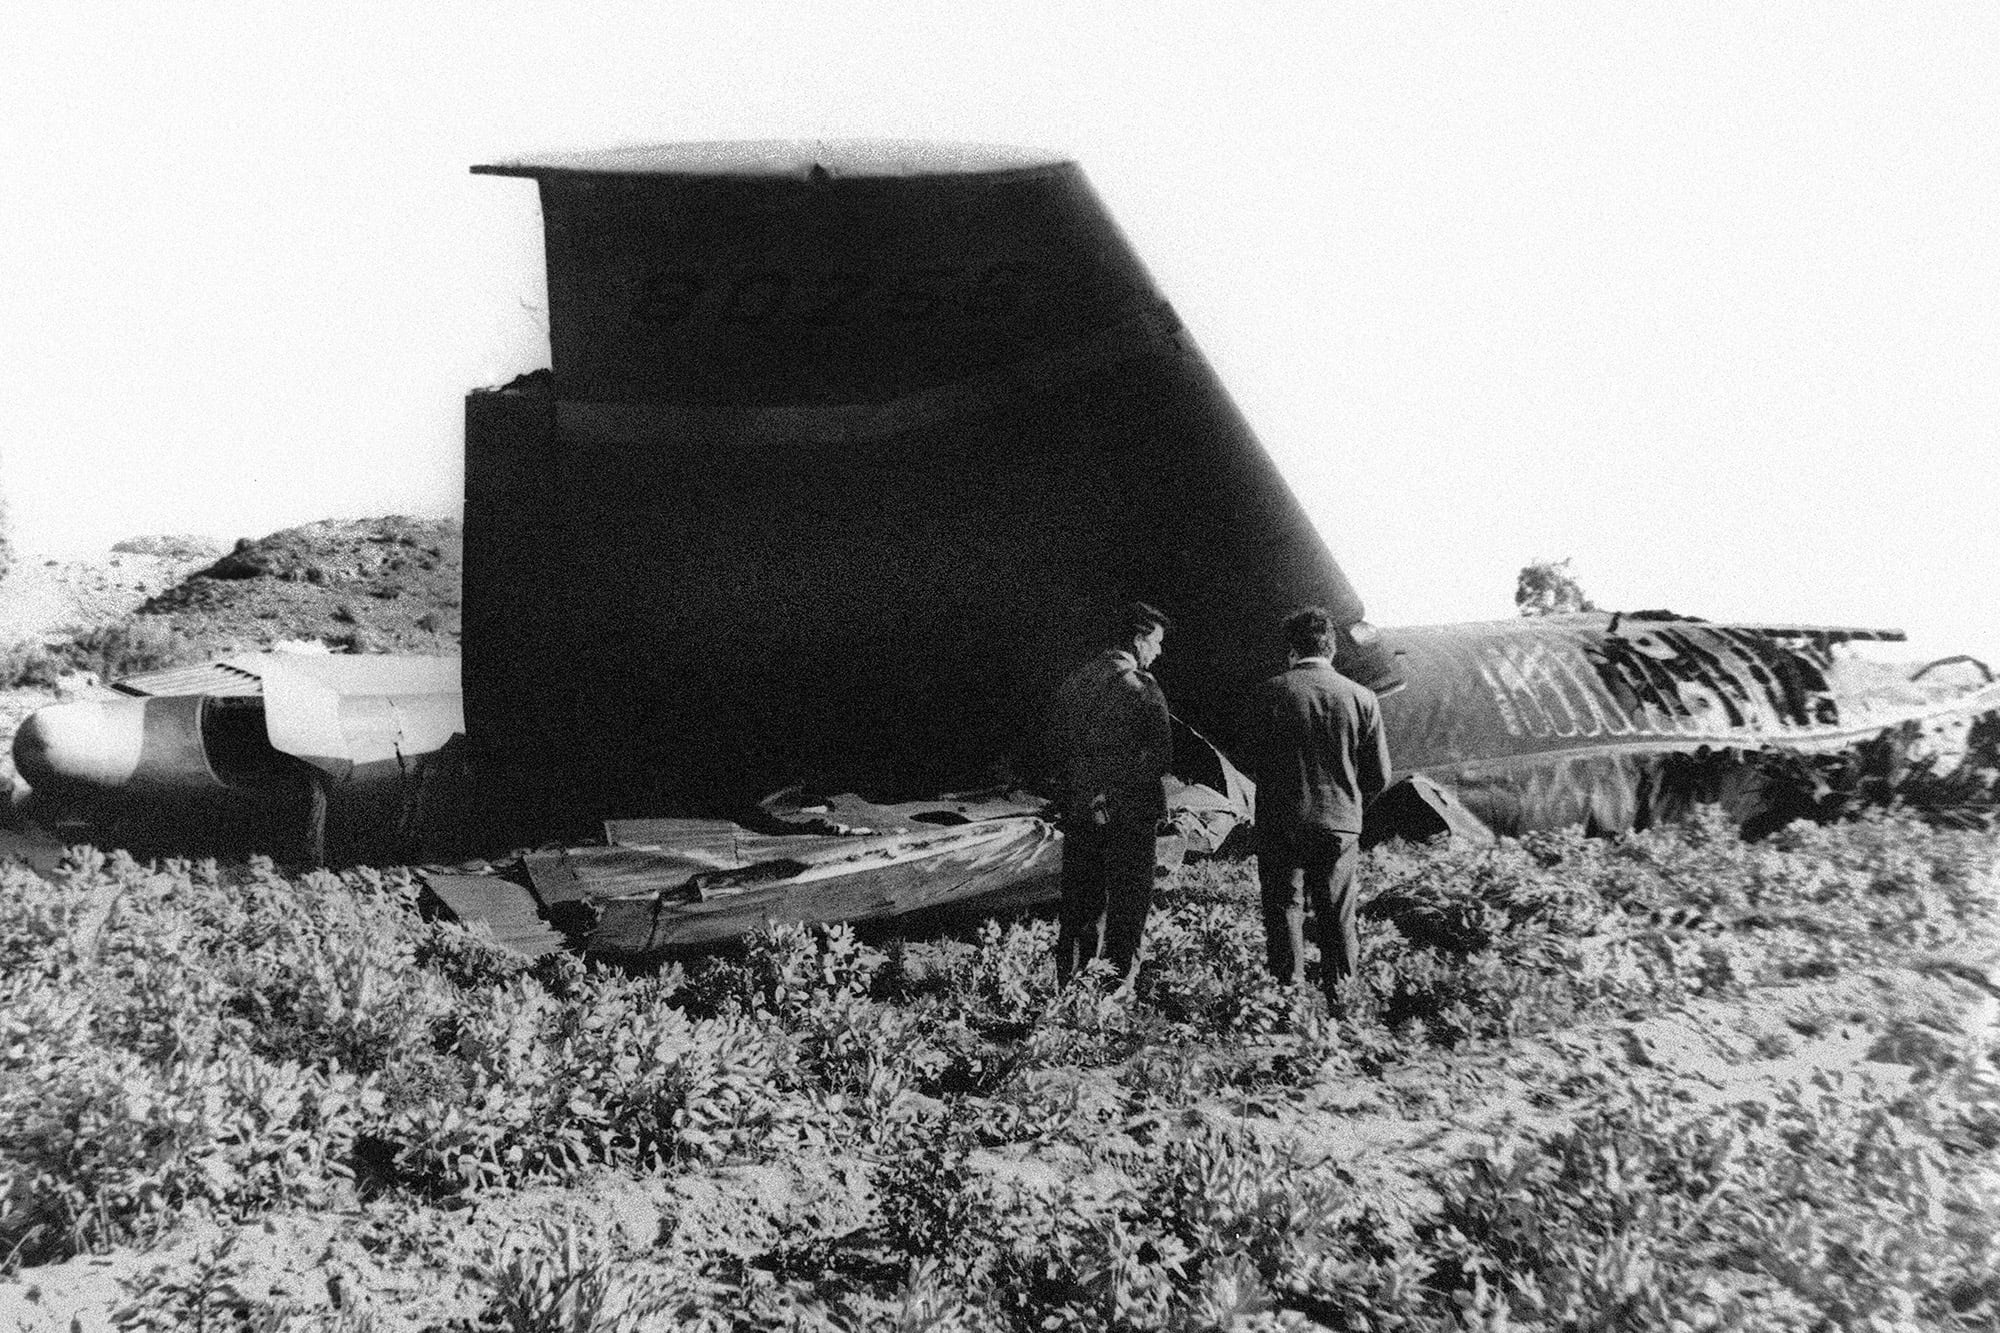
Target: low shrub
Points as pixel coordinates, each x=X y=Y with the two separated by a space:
x=31 y=664
x=1821 y=1206
x=559 y=1279
x=221 y=1039
x=128 y=647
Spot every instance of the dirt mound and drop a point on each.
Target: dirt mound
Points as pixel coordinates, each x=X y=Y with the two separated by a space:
x=175 y=546
x=377 y=585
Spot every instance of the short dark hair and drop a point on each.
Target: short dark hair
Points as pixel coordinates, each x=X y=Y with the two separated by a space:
x=1309 y=632
x=1135 y=620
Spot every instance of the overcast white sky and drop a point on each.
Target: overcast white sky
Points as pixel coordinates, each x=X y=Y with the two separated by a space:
x=1706 y=297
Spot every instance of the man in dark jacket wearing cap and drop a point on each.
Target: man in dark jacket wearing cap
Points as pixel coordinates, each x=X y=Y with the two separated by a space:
x=1313 y=742
x=1111 y=741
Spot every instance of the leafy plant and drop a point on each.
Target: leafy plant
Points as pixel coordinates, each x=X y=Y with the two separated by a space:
x=1546 y=588
x=559 y=1280
x=188 y=1039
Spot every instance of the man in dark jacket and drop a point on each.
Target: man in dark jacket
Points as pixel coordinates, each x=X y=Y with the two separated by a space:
x=1111 y=742
x=1313 y=741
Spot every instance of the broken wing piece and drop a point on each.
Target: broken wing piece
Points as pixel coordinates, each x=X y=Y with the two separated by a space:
x=345 y=715
x=666 y=884
x=674 y=895
x=851 y=814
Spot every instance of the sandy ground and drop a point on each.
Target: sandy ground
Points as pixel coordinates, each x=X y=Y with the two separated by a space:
x=46 y=598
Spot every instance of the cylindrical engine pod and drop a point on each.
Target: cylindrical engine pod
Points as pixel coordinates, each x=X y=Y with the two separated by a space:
x=849 y=450
x=118 y=748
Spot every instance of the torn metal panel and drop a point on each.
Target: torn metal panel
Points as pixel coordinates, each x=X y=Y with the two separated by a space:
x=509 y=911
x=672 y=883
x=1417 y=809
x=849 y=814
x=1202 y=817
x=1207 y=796
x=707 y=843
x=644 y=901
x=210 y=678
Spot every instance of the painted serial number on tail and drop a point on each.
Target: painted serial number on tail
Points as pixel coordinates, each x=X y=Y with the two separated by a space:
x=827 y=297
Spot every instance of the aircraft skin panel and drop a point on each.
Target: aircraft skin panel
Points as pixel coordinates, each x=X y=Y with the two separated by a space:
x=210 y=678
x=846 y=879
x=510 y=911
x=1540 y=723
x=1522 y=688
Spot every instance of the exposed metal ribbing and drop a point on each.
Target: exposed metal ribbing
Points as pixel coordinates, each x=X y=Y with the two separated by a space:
x=208 y=678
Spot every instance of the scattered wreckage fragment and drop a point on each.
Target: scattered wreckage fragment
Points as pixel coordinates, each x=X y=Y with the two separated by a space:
x=659 y=885
x=671 y=883
x=1616 y=722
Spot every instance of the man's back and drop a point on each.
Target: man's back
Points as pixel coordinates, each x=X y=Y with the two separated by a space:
x=1315 y=746
x=1111 y=739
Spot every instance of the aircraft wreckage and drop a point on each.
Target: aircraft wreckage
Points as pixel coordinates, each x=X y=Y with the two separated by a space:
x=1502 y=728
x=843 y=450
x=1619 y=722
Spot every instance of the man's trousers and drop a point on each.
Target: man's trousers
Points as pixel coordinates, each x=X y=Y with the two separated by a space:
x=1310 y=867
x=1107 y=890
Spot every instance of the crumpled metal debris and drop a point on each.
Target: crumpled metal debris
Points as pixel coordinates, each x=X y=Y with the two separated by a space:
x=662 y=884
x=1622 y=722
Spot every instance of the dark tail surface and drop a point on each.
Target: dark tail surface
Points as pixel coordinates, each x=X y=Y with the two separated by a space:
x=847 y=451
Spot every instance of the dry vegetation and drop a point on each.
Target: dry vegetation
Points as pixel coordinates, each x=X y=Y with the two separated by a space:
x=1666 y=1081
